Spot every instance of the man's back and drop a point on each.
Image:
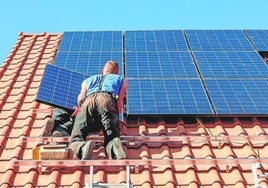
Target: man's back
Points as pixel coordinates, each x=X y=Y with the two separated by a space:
x=111 y=83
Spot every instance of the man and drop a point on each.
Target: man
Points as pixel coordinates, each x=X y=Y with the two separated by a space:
x=100 y=100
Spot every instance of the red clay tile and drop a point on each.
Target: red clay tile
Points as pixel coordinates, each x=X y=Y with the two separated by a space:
x=7 y=178
x=210 y=177
x=233 y=177
x=187 y=178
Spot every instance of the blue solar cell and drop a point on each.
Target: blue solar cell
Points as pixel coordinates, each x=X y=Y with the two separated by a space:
x=160 y=65
x=60 y=87
x=218 y=40
x=167 y=96
x=231 y=64
x=238 y=96
x=259 y=39
x=162 y=40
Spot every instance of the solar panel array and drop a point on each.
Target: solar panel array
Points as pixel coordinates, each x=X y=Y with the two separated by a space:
x=231 y=69
x=162 y=75
x=191 y=72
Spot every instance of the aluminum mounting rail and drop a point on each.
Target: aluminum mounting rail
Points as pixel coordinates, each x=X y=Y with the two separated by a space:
x=137 y=162
x=186 y=138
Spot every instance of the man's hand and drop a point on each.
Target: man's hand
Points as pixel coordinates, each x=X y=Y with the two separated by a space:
x=76 y=110
x=122 y=124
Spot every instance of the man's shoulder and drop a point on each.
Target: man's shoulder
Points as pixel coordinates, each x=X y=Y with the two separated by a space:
x=115 y=75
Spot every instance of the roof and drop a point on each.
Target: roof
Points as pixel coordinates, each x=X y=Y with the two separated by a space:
x=220 y=149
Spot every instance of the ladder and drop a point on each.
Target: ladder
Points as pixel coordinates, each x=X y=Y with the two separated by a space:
x=255 y=162
x=91 y=183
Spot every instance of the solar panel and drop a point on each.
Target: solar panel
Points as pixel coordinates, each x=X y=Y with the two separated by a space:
x=92 y=41
x=86 y=52
x=231 y=64
x=259 y=39
x=218 y=40
x=60 y=87
x=167 y=96
x=238 y=96
x=162 y=40
x=87 y=62
x=160 y=65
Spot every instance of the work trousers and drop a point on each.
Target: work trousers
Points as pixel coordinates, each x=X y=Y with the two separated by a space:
x=62 y=119
x=98 y=112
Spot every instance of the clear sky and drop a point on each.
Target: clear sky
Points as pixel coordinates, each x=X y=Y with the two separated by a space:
x=57 y=16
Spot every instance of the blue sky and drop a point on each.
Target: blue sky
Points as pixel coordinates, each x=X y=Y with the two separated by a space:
x=31 y=16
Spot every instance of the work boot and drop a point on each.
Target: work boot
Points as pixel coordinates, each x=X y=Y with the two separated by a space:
x=114 y=149
x=87 y=150
x=48 y=128
x=60 y=132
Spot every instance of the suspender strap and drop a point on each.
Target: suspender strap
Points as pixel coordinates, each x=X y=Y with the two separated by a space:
x=101 y=82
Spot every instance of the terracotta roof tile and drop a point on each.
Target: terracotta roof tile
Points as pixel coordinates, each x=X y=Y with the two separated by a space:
x=21 y=116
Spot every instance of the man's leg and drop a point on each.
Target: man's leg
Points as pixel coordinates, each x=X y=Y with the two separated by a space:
x=55 y=126
x=59 y=117
x=78 y=145
x=63 y=120
x=64 y=129
x=110 y=123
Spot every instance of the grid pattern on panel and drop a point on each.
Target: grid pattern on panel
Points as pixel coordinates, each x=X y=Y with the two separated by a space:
x=239 y=96
x=92 y=41
x=60 y=87
x=219 y=64
x=218 y=40
x=160 y=65
x=167 y=96
x=87 y=62
x=259 y=39
x=162 y=40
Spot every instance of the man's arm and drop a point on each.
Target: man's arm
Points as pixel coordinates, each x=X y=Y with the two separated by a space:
x=122 y=95
x=82 y=95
